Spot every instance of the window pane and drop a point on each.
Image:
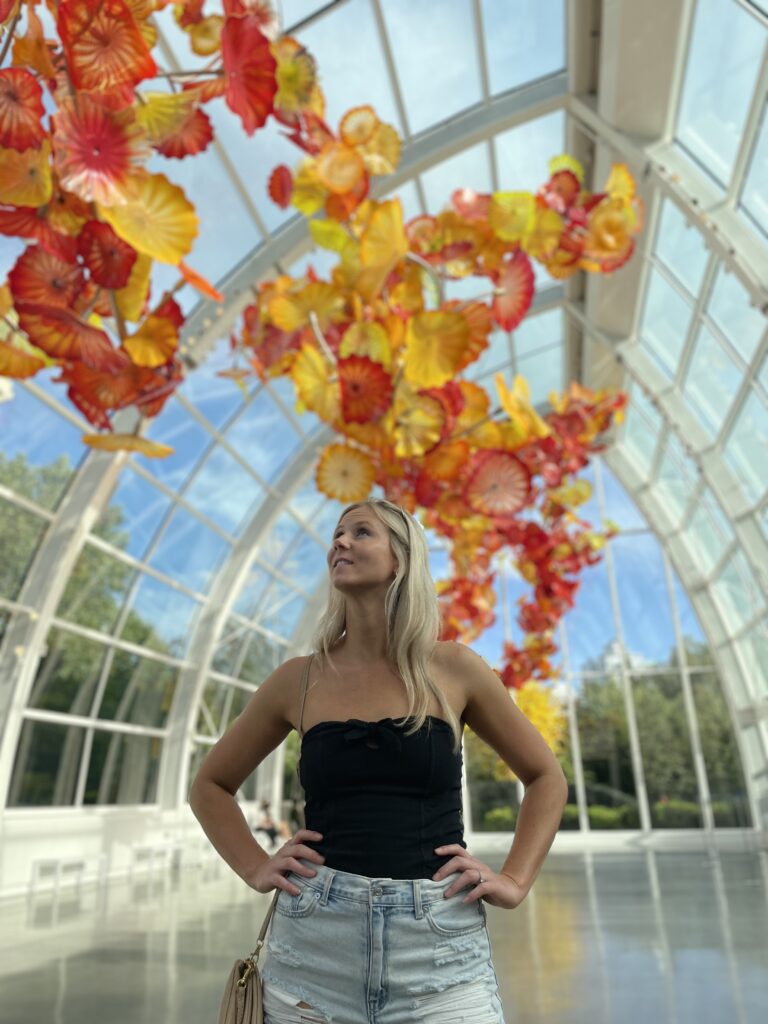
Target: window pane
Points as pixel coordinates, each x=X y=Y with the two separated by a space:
x=697 y=650
x=666 y=751
x=21 y=533
x=640 y=439
x=605 y=755
x=468 y=169
x=665 y=321
x=708 y=533
x=224 y=491
x=361 y=60
x=676 y=478
x=680 y=247
x=41 y=450
x=189 y=551
x=252 y=592
x=264 y=437
x=643 y=599
x=123 y=769
x=493 y=359
x=307 y=500
x=730 y=806
x=712 y=381
x=493 y=794
x=731 y=310
x=523 y=41
x=283 y=532
x=46 y=765
x=281 y=610
x=227 y=650
x=175 y=427
x=217 y=398
x=133 y=514
x=304 y=563
x=139 y=690
x=753 y=648
x=215 y=696
x=754 y=197
x=590 y=626
x=544 y=373
x=433 y=43
x=68 y=674
x=262 y=657
x=523 y=153
x=746 y=447
x=725 y=53
x=160 y=618
x=737 y=592
x=538 y=332
x=96 y=590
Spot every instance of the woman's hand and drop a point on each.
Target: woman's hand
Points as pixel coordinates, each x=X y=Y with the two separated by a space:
x=499 y=890
x=270 y=874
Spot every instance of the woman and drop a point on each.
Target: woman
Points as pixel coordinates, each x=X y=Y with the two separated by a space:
x=381 y=917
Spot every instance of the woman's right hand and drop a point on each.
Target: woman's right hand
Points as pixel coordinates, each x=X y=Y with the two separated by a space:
x=271 y=873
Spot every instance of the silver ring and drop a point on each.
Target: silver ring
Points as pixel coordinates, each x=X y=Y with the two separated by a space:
x=481 y=877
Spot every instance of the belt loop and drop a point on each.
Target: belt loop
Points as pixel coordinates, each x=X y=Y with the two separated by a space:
x=418 y=910
x=327 y=887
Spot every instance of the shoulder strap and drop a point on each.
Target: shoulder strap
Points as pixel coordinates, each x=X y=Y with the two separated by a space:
x=304 y=680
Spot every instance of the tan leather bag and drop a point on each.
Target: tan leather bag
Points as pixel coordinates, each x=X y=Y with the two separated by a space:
x=242 y=1001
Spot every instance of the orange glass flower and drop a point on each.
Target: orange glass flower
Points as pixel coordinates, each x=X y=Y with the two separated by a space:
x=366 y=389
x=106 y=53
x=515 y=283
x=40 y=277
x=108 y=258
x=21 y=110
x=499 y=484
x=96 y=149
x=250 y=71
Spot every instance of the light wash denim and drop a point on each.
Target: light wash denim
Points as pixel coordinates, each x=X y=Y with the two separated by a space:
x=360 y=950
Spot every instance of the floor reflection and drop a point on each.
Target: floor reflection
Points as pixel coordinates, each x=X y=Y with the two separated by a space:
x=659 y=937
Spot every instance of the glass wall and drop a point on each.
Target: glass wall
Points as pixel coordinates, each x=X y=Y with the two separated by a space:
x=639 y=692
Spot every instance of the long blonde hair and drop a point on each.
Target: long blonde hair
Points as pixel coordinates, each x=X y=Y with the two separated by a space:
x=411 y=611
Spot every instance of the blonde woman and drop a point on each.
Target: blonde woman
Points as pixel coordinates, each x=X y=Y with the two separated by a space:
x=381 y=914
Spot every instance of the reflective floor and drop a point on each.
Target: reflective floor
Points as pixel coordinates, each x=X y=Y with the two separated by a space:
x=603 y=938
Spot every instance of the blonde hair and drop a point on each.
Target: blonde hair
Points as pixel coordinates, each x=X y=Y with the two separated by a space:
x=411 y=611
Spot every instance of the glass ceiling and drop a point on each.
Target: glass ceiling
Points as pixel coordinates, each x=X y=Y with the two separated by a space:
x=207 y=563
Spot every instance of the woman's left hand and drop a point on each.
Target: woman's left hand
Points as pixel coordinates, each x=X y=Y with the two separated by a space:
x=499 y=890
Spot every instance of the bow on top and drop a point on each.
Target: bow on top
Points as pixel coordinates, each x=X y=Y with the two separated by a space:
x=374 y=734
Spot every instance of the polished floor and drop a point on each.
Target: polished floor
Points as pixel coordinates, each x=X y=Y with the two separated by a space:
x=617 y=937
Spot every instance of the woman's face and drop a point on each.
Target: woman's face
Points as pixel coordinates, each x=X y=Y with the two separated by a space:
x=360 y=552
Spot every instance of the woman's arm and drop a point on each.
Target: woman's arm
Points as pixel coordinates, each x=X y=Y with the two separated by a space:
x=256 y=732
x=493 y=716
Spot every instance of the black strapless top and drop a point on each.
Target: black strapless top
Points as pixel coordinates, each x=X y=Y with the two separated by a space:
x=381 y=799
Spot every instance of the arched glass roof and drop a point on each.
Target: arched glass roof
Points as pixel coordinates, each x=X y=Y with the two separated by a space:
x=141 y=601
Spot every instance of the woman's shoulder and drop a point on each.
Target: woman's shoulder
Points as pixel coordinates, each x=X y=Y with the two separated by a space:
x=450 y=653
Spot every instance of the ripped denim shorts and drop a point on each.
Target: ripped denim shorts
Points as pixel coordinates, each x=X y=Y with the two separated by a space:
x=356 y=950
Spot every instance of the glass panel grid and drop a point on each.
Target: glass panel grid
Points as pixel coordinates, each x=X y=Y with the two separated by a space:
x=679 y=247
x=434 y=49
x=723 y=60
x=712 y=381
x=732 y=313
x=754 y=195
x=747 y=443
x=665 y=321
